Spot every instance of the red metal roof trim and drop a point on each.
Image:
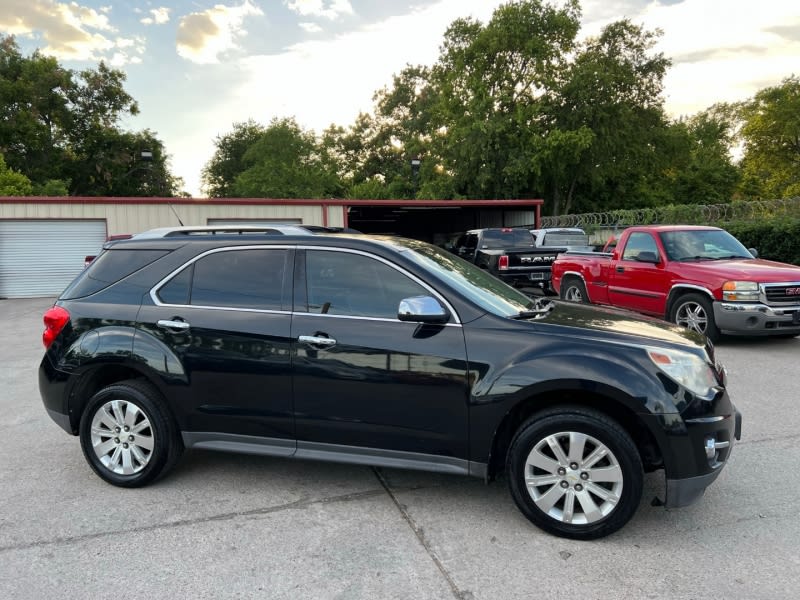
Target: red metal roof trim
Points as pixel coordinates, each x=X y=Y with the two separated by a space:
x=260 y=201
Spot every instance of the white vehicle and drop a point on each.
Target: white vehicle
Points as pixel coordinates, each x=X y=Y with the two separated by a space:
x=564 y=238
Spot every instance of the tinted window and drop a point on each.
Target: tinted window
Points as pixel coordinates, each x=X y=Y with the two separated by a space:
x=110 y=267
x=639 y=242
x=176 y=291
x=506 y=238
x=232 y=278
x=340 y=283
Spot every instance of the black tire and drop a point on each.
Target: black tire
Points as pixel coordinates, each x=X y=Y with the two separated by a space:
x=153 y=444
x=620 y=462
x=694 y=311
x=573 y=290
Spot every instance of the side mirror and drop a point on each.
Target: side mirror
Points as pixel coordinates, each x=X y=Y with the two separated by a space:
x=422 y=309
x=648 y=257
x=753 y=251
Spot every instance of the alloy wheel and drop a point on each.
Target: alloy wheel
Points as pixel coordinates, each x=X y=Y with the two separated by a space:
x=573 y=478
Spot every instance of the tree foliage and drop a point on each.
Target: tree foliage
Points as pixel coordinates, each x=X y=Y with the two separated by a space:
x=13 y=183
x=286 y=162
x=62 y=130
x=522 y=106
x=771 y=135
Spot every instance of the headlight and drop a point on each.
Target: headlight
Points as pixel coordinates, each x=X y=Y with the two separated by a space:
x=691 y=372
x=740 y=290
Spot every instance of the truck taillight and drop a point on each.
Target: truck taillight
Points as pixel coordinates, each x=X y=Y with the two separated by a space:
x=502 y=262
x=54 y=321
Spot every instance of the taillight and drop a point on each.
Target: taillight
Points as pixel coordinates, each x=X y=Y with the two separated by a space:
x=502 y=262
x=54 y=321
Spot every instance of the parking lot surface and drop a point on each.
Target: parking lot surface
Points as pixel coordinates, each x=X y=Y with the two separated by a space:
x=236 y=526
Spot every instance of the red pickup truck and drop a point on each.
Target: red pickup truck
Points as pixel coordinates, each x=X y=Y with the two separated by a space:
x=700 y=277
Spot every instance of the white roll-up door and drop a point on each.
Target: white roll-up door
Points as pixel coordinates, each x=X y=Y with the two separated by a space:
x=41 y=257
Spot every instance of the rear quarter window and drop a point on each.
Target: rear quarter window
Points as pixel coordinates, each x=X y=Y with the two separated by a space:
x=109 y=268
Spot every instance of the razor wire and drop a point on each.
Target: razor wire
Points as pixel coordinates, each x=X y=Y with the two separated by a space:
x=683 y=214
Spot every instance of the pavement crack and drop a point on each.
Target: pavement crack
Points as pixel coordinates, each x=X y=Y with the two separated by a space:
x=457 y=593
x=301 y=504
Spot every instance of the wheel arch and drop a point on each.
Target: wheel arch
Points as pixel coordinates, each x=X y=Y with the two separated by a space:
x=600 y=401
x=682 y=289
x=96 y=377
x=567 y=275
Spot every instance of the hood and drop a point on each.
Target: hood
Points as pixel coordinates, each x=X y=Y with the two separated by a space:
x=759 y=270
x=620 y=323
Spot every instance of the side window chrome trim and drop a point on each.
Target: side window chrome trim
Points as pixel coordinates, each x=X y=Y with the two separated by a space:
x=229 y=308
x=401 y=270
x=154 y=290
x=360 y=318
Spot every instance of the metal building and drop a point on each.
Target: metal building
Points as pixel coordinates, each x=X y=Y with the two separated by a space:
x=44 y=240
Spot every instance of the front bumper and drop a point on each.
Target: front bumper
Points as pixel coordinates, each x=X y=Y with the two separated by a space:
x=688 y=490
x=695 y=445
x=755 y=318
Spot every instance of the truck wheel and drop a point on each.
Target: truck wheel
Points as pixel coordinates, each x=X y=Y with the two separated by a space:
x=694 y=312
x=575 y=473
x=573 y=290
x=127 y=435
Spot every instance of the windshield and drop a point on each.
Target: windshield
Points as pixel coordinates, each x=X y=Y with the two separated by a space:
x=568 y=238
x=506 y=238
x=478 y=285
x=702 y=244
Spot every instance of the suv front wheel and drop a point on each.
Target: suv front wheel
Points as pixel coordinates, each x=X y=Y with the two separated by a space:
x=575 y=473
x=127 y=435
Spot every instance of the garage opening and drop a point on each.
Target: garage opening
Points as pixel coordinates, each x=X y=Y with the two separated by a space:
x=438 y=221
x=41 y=257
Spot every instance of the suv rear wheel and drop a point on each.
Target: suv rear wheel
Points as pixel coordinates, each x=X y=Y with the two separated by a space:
x=127 y=435
x=575 y=473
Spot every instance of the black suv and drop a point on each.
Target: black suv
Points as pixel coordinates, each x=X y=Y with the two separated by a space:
x=378 y=351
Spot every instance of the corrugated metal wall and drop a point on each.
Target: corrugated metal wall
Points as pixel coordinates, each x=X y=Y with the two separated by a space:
x=138 y=217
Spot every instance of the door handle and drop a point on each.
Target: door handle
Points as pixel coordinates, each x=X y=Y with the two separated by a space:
x=314 y=340
x=173 y=324
x=620 y=269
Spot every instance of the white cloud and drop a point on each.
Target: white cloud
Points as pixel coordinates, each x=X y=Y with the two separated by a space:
x=333 y=80
x=159 y=16
x=70 y=31
x=328 y=9
x=310 y=27
x=204 y=36
x=722 y=50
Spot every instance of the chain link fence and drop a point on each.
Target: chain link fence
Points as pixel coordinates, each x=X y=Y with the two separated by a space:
x=684 y=214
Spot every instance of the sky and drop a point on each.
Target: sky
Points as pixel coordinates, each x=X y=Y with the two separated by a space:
x=196 y=67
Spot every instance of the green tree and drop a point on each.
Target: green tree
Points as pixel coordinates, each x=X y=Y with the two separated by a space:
x=604 y=123
x=489 y=83
x=703 y=171
x=771 y=136
x=58 y=125
x=227 y=162
x=286 y=162
x=13 y=183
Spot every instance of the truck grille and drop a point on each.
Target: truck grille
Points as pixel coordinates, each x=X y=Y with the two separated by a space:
x=782 y=292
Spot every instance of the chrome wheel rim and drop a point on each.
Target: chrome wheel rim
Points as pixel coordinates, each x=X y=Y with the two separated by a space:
x=573 y=478
x=692 y=316
x=122 y=437
x=573 y=294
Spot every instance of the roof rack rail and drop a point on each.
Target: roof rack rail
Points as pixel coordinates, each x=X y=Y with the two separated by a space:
x=211 y=230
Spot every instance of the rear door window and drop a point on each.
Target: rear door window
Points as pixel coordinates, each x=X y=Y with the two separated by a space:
x=247 y=279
